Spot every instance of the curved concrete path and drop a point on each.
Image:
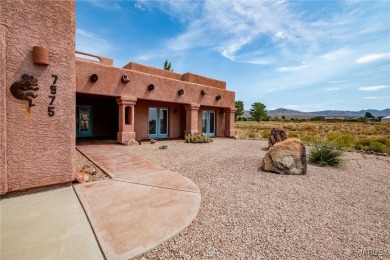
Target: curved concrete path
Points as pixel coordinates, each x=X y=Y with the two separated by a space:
x=142 y=205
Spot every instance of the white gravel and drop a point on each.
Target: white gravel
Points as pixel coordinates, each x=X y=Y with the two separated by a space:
x=245 y=213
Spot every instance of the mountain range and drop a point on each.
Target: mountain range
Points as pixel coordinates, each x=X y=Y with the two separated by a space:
x=327 y=113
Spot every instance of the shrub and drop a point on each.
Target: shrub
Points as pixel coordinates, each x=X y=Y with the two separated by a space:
x=378 y=147
x=360 y=147
x=265 y=134
x=197 y=138
x=341 y=139
x=323 y=154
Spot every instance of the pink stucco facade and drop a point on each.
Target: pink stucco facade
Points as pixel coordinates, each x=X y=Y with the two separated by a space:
x=37 y=143
x=184 y=111
x=37 y=149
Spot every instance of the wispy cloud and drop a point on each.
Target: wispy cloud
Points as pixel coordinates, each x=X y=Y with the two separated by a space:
x=373 y=88
x=332 y=89
x=291 y=68
x=377 y=97
x=92 y=43
x=107 y=5
x=373 y=57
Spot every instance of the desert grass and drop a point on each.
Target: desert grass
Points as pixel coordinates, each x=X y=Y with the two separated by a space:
x=349 y=135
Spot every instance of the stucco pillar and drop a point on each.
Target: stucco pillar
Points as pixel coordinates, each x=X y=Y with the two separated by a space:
x=126 y=119
x=192 y=112
x=230 y=130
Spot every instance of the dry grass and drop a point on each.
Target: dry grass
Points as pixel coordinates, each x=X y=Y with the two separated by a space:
x=361 y=136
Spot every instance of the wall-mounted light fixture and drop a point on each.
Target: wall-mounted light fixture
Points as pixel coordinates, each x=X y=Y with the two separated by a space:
x=203 y=92
x=218 y=97
x=180 y=92
x=93 y=78
x=125 y=79
x=151 y=87
x=40 y=55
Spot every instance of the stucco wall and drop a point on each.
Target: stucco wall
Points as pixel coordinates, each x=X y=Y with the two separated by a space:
x=39 y=149
x=110 y=84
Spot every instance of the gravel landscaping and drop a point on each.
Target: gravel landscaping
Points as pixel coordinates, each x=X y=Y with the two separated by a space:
x=335 y=213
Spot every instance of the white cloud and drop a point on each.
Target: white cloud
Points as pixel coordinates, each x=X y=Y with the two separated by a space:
x=291 y=68
x=92 y=43
x=335 y=55
x=373 y=88
x=107 y=5
x=376 y=97
x=332 y=89
x=280 y=35
x=373 y=57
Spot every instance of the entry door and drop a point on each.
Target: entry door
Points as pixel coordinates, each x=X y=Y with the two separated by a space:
x=208 y=123
x=84 y=121
x=158 y=122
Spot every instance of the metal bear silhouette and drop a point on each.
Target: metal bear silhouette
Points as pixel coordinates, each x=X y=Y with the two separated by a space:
x=21 y=89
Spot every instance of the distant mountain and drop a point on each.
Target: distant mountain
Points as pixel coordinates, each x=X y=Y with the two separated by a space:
x=327 y=113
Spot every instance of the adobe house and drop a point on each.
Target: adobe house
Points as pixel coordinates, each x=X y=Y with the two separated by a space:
x=49 y=97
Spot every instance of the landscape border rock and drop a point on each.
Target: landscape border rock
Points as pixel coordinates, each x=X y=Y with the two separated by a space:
x=286 y=157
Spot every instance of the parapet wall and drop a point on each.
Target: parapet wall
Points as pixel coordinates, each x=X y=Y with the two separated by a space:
x=188 y=77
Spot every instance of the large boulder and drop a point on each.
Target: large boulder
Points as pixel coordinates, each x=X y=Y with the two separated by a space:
x=286 y=157
x=277 y=135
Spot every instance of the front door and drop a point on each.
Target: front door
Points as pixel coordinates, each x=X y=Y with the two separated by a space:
x=84 y=121
x=208 y=123
x=158 y=122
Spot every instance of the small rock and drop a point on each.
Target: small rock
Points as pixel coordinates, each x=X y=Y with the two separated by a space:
x=82 y=177
x=163 y=147
x=153 y=141
x=286 y=157
x=277 y=135
x=130 y=142
x=92 y=170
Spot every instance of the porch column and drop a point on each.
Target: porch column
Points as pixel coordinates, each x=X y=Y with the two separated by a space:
x=192 y=114
x=126 y=119
x=230 y=130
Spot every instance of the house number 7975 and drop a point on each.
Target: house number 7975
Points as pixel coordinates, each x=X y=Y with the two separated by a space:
x=52 y=96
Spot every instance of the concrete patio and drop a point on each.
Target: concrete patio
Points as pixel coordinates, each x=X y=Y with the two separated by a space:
x=142 y=206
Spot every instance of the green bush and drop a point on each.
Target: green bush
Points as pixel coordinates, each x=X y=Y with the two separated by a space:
x=340 y=139
x=323 y=154
x=378 y=147
x=360 y=147
x=265 y=134
x=197 y=138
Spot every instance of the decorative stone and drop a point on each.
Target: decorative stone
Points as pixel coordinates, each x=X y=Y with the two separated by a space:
x=153 y=141
x=277 y=135
x=163 y=147
x=82 y=177
x=286 y=157
x=130 y=142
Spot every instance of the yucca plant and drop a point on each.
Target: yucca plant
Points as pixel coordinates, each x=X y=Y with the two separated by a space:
x=323 y=154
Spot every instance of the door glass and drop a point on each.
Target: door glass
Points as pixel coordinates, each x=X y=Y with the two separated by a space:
x=212 y=122
x=152 y=120
x=204 y=121
x=84 y=120
x=163 y=121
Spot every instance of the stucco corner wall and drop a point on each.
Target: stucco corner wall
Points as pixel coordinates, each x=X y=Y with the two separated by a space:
x=39 y=149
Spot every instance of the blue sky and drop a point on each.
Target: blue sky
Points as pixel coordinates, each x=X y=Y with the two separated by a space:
x=301 y=55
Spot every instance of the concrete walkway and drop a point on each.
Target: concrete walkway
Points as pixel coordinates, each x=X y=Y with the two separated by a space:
x=46 y=225
x=142 y=206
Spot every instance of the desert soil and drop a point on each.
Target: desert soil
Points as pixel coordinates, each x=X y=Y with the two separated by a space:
x=332 y=213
